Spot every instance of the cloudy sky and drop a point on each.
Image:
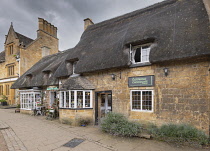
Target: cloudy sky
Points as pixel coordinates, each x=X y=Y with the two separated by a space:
x=67 y=15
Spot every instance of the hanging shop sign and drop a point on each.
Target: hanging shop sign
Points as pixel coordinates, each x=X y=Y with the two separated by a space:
x=52 y=88
x=141 y=81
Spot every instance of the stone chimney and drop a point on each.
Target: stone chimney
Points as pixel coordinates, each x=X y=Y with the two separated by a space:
x=87 y=22
x=46 y=27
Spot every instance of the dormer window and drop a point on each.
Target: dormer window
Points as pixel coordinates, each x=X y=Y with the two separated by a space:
x=29 y=77
x=47 y=74
x=74 y=65
x=71 y=66
x=140 y=54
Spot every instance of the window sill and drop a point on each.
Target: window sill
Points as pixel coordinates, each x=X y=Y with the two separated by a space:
x=75 y=108
x=140 y=64
x=146 y=111
x=25 y=109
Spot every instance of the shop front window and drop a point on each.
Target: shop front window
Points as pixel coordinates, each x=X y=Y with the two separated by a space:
x=76 y=99
x=29 y=99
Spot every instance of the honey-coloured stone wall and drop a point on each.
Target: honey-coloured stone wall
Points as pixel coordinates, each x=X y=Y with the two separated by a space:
x=180 y=97
x=74 y=115
x=25 y=56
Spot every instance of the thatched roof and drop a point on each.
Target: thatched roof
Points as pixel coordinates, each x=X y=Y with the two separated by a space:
x=42 y=73
x=178 y=30
x=77 y=83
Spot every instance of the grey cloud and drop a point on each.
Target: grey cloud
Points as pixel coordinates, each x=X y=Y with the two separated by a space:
x=67 y=15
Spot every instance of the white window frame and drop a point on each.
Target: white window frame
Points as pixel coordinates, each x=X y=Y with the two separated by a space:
x=132 y=55
x=140 y=110
x=24 y=99
x=62 y=103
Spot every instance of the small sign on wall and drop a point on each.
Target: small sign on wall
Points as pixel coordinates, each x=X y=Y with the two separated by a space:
x=52 y=88
x=141 y=81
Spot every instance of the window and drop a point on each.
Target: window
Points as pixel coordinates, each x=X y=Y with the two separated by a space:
x=74 y=65
x=76 y=99
x=11 y=71
x=10 y=49
x=7 y=89
x=70 y=66
x=29 y=77
x=140 y=54
x=141 y=100
x=47 y=75
x=1 y=89
x=28 y=99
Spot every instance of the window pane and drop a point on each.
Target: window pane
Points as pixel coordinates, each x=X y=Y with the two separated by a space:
x=79 y=99
x=145 y=54
x=67 y=99
x=137 y=56
x=136 y=100
x=144 y=58
x=87 y=99
x=30 y=101
x=147 y=100
x=103 y=100
x=72 y=99
x=62 y=100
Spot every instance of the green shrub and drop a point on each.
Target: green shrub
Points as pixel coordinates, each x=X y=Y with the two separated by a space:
x=117 y=124
x=18 y=105
x=181 y=133
x=3 y=98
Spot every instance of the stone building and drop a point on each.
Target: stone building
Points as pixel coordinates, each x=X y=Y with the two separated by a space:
x=21 y=53
x=151 y=65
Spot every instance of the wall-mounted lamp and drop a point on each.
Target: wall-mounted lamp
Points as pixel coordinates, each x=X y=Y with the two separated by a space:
x=165 y=70
x=114 y=76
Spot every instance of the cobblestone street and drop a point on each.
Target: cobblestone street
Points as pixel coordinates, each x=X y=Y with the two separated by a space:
x=29 y=133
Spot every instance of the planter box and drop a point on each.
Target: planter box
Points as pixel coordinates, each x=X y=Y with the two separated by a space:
x=4 y=103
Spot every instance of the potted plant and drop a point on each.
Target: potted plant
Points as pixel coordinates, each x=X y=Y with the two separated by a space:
x=4 y=100
x=39 y=104
x=17 y=110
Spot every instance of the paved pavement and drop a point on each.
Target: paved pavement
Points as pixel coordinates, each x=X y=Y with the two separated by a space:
x=3 y=145
x=34 y=133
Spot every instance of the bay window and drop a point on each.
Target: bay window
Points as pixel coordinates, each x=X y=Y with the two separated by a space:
x=76 y=99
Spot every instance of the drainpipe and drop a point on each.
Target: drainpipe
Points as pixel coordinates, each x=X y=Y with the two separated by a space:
x=17 y=57
x=18 y=60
